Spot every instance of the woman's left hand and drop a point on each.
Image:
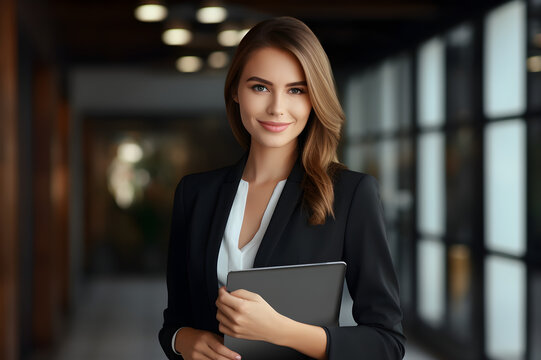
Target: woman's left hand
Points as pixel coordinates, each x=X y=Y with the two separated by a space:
x=246 y=315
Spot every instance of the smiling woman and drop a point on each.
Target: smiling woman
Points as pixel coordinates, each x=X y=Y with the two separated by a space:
x=287 y=201
x=320 y=138
x=274 y=110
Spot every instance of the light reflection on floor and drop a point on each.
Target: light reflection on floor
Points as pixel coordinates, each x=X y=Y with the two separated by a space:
x=119 y=319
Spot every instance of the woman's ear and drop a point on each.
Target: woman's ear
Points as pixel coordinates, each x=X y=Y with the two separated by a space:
x=235 y=98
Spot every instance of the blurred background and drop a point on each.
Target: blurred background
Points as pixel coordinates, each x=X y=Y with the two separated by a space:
x=105 y=105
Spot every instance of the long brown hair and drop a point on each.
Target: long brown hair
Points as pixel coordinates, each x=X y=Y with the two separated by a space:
x=319 y=140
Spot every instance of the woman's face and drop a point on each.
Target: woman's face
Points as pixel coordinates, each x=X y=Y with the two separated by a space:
x=273 y=98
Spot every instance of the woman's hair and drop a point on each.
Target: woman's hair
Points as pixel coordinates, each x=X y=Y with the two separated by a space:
x=319 y=140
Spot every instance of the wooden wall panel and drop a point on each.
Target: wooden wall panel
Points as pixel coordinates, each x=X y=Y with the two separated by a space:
x=60 y=199
x=8 y=181
x=46 y=315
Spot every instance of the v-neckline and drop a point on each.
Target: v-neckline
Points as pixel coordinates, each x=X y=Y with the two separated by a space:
x=250 y=243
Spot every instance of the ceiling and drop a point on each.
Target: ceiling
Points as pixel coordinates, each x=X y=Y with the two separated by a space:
x=354 y=33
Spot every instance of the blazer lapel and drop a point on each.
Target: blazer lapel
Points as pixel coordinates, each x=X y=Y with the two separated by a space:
x=219 y=220
x=289 y=200
x=287 y=203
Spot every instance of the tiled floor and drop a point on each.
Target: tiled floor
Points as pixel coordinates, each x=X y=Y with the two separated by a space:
x=119 y=319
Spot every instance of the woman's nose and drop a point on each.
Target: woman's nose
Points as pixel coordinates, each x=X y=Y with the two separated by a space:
x=276 y=105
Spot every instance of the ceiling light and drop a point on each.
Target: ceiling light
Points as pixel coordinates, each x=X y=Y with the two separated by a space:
x=151 y=12
x=534 y=64
x=189 y=64
x=218 y=59
x=211 y=14
x=177 y=36
x=228 y=38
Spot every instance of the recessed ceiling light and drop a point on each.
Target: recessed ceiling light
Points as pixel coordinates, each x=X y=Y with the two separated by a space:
x=218 y=59
x=211 y=14
x=177 y=36
x=189 y=64
x=228 y=37
x=151 y=12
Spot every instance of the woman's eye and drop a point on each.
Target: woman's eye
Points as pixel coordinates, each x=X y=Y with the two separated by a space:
x=296 y=91
x=259 y=88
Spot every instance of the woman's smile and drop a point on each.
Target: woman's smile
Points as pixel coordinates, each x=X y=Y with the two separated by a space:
x=274 y=126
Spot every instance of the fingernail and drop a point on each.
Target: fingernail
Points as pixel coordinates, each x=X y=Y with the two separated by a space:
x=238 y=357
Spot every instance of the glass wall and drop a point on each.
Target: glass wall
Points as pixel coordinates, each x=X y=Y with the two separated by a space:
x=452 y=131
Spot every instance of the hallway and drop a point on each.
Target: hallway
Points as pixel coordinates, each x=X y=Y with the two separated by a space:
x=99 y=122
x=119 y=319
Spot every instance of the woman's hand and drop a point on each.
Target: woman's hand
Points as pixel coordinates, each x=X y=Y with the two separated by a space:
x=246 y=315
x=196 y=344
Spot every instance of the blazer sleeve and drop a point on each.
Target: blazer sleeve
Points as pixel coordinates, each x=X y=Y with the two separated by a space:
x=176 y=315
x=372 y=283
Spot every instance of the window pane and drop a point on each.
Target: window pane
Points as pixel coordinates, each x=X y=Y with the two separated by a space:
x=363 y=157
x=505 y=186
x=371 y=99
x=461 y=84
x=394 y=176
x=354 y=157
x=431 y=280
x=431 y=80
x=353 y=108
x=362 y=104
x=403 y=64
x=395 y=93
x=392 y=198
x=505 y=318
x=388 y=178
x=505 y=60
x=461 y=179
x=405 y=224
x=389 y=96
x=431 y=184
x=371 y=164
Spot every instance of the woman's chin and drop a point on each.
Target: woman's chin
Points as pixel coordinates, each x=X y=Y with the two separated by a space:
x=274 y=143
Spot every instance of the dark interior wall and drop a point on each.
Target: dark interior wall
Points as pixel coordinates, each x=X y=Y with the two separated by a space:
x=25 y=197
x=8 y=182
x=41 y=246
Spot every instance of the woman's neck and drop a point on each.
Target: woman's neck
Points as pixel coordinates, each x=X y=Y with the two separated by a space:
x=266 y=164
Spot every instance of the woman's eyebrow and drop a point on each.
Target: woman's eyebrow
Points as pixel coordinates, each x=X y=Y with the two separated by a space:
x=256 y=78
x=297 y=83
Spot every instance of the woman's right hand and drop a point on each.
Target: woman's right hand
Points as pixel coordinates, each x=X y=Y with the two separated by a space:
x=196 y=344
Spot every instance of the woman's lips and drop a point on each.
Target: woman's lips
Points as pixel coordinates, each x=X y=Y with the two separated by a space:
x=274 y=126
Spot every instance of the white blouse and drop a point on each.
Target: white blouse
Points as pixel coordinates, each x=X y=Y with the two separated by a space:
x=230 y=257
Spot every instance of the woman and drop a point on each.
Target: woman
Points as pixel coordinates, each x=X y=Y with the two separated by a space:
x=287 y=201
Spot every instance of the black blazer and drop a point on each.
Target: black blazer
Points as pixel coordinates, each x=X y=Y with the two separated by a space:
x=356 y=236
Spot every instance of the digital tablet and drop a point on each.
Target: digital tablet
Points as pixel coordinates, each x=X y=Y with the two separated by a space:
x=308 y=293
